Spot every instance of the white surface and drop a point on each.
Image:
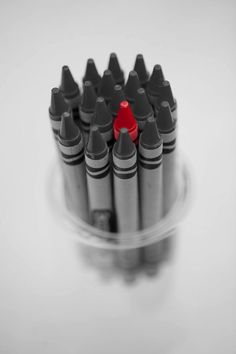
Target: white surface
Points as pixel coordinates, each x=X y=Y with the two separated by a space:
x=50 y=301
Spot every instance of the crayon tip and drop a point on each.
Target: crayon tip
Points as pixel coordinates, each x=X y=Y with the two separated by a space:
x=69 y=131
x=96 y=145
x=91 y=73
x=68 y=85
x=150 y=137
x=89 y=97
x=132 y=85
x=165 y=122
x=58 y=103
x=102 y=116
x=107 y=85
x=140 y=69
x=117 y=97
x=114 y=66
x=155 y=80
x=125 y=119
x=142 y=108
x=124 y=147
x=166 y=93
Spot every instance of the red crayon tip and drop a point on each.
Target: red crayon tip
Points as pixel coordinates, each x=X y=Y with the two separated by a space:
x=125 y=119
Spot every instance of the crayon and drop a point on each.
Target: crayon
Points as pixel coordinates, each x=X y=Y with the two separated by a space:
x=91 y=74
x=103 y=119
x=126 y=194
x=153 y=85
x=71 y=147
x=57 y=107
x=166 y=95
x=142 y=109
x=117 y=97
x=106 y=87
x=167 y=128
x=87 y=108
x=70 y=90
x=99 y=180
x=131 y=87
x=150 y=184
x=140 y=68
x=125 y=119
x=117 y=73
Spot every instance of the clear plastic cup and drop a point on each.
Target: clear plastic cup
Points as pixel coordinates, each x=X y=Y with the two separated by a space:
x=91 y=236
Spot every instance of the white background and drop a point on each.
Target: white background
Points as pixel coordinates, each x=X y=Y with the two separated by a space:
x=50 y=301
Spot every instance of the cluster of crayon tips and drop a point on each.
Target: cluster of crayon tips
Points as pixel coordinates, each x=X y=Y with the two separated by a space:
x=116 y=140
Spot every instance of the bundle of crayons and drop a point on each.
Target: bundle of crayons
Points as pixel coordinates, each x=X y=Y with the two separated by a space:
x=116 y=141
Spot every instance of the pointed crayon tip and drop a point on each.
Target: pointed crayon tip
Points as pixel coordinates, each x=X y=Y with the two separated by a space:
x=166 y=94
x=96 y=146
x=165 y=122
x=69 y=131
x=142 y=108
x=114 y=66
x=102 y=116
x=125 y=119
x=141 y=70
x=89 y=97
x=107 y=84
x=124 y=147
x=150 y=137
x=58 y=104
x=155 y=80
x=117 y=97
x=68 y=86
x=132 y=85
x=91 y=73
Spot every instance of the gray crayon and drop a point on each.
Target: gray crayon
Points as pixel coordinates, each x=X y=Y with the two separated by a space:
x=167 y=128
x=71 y=146
x=117 y=73
x=106 y=87
x=91 y=74
x=166 y=95
x=141 y=70
x=131 y=87
x=150 y=184
x=142 y=109
x=103 y=119
x=87 y=108
x=57 y=108
x=117 y=97
x=99 y=179
x=155 y=80
x=126 y=195
x=70 y=90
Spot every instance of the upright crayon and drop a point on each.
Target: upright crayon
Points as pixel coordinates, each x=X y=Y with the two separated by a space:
x=57 y=107
x=99 y=180
x=87 y=108
x=117 y=97
x=167 y=128
x=106 y=87
x=125 y=119
x=91 y=74
x=140 y=68
x=71 y=147
x=153 y=85
x=126 y=194
x=150 y=184
x=115 y=68
x=142 y=109
x=102 y=118
x=70 y=90
x=131 y=87
x=166 y=94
